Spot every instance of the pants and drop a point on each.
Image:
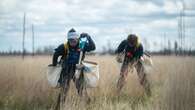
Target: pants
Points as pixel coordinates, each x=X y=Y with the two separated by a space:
x=68 y=72
x=140 y=72
x=66 y=75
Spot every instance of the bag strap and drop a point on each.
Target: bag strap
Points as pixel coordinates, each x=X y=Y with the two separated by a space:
x=66 y=49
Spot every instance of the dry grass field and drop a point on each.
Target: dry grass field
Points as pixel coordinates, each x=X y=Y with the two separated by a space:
x=23 y=86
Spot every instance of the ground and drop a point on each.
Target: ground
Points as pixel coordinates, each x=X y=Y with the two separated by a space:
x=24 y=85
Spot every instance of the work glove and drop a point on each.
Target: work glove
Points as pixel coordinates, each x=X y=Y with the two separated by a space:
x=84 y=40
x=85 y=35
x=120 y=58
x=79 y=66
x=50 y=65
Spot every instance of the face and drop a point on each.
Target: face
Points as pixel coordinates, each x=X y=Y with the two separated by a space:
x=73 y=42
x=132 y=42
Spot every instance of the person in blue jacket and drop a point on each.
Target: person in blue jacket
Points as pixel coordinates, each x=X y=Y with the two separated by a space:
x=70 y=54
x=133 y=52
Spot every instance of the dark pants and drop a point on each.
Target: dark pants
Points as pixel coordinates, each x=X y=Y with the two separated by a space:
x=67 y=75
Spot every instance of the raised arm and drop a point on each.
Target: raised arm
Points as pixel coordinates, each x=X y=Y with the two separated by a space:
x=90 y=46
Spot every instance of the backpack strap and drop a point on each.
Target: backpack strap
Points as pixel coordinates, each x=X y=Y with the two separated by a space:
x=138 y=42
x=66 y=49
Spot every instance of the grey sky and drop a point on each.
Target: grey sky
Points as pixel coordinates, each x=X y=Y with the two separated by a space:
x=104 y=20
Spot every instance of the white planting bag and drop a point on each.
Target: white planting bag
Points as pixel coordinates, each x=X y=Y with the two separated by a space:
x=147 y=60
x=147 y=63
x=91 y=74
x=53 y=75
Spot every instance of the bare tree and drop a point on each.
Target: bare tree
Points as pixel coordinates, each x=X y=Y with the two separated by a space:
x=23 y=40
x=169 y=47
x=181 y=28
x=33 y=49
x=146 y=44
x=176 y=47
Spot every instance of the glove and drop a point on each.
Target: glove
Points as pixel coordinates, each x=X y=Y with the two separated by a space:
x=79 y=66
x=84 y=35
x=120 y=58
x=84 y=39
x=50 y=65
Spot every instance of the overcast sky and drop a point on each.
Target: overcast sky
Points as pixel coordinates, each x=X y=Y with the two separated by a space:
x=104 y=20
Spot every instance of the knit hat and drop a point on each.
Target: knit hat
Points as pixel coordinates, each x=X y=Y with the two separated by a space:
x=72 y=34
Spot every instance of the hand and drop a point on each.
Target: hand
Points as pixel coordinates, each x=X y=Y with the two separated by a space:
x=79 y=66
x=119 y=58
x=50 y=65
x=85 y=35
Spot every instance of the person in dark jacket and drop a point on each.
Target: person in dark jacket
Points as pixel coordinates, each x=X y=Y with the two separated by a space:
x=133 y=52
x=70 y=54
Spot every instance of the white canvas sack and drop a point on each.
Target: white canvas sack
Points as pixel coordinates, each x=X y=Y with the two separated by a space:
x=53 y=75
x=91 y=74
x=147 y=63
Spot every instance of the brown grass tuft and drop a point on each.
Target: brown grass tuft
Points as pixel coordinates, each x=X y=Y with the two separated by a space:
x=24 y=86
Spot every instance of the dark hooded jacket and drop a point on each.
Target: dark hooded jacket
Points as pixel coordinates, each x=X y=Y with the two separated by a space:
x=131 y=52
x=72 y=57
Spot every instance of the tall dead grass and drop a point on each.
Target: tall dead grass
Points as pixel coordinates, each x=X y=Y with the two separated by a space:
x=24 y=86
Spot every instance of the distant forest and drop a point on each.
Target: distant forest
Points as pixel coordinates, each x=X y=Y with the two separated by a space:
x=48 y=50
